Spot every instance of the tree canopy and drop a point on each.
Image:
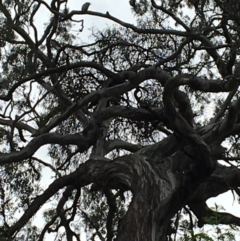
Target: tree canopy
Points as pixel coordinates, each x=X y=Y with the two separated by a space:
x=141 y=122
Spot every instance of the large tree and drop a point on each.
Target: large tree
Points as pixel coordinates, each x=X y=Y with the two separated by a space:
x=134 y=120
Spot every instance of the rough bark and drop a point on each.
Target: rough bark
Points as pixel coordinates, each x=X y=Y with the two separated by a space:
x=180 y=168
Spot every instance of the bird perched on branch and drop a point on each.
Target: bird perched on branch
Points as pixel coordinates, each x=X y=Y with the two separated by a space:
x=132 y=3
x=85 y=6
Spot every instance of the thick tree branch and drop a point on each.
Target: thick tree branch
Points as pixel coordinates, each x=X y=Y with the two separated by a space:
x=185 y=129
x=221 y=129
x=60 y=69
x=119 y=144
x=207 y=216
x=50 y=138
x=18 y=124
x=115 y=174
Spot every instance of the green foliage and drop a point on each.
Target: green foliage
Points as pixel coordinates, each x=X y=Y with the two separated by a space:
x=187 y=228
